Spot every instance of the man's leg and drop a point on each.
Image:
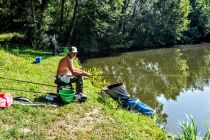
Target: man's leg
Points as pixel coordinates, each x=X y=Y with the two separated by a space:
x=79 y=83
x=79 y=88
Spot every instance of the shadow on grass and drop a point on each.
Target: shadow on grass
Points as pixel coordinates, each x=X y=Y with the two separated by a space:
x=49 y=98
x=40 y=100
x=26 y=51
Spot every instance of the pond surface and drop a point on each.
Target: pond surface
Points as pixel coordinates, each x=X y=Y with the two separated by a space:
x=175 y=81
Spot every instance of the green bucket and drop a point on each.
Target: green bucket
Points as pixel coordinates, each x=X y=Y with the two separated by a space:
x=67 y=96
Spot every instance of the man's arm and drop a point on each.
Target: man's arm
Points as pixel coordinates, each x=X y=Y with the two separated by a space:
x=75 y=71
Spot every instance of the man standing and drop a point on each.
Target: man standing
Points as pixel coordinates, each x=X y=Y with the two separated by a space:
x=67 y=73
x=54 y=45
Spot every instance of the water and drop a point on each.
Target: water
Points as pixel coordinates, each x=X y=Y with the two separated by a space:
x=175 y=81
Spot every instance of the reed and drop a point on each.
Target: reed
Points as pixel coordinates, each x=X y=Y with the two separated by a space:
x=190 y=131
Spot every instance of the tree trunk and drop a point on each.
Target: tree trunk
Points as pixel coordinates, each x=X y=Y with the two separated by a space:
x=62 y=11
x=122 y=17
x=33 y=24
x=133 y=18
x=73 y=22
x=43 y=7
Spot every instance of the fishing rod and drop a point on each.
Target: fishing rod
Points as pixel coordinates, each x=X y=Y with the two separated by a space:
x=27 y=82
x=167 y=75
x=13 y=89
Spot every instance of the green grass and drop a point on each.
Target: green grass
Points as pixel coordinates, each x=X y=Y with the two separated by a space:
x=98 y=118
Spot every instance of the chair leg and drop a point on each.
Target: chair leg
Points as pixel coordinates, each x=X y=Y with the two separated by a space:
x=71 y=87
x=58 y=89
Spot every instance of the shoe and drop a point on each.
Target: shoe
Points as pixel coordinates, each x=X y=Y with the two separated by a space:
x=80 y=97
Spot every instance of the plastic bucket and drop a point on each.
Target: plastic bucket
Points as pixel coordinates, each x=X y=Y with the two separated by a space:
x=67 y=96
x=38 y=60
x=65 y=51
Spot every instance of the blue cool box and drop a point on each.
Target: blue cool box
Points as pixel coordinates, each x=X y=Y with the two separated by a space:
x=38 y=59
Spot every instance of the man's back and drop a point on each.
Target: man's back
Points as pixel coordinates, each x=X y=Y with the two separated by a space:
x=63 y=67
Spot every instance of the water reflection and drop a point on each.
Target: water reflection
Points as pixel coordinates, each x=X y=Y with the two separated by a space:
x=161 y=77
x=198 y=103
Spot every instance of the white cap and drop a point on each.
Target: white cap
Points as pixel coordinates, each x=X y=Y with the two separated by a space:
x=73 y=49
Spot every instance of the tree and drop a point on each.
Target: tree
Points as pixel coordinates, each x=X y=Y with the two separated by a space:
x=14 y=15
x=161 y=23
x=97 y=26
x=198 y=21
x=62 y=12
x=73 y=22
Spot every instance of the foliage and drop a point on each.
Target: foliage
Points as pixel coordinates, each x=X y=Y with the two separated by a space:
x=207 y=136
x=189 y=129
x=198 y=21
x=103 y=25
x=97 y=26
x=13 y=15
x=96 y=77
x=159 y=23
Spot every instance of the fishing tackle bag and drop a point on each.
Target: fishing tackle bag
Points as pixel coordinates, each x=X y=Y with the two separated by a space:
x=118 y=93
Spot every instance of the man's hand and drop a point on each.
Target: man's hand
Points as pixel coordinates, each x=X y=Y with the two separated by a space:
x=87 y=74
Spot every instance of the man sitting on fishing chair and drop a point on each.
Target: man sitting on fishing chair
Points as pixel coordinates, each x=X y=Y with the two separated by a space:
x=67 y=73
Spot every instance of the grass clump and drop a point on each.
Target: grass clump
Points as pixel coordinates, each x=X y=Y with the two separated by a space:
x=189 y=130
x=98 y=118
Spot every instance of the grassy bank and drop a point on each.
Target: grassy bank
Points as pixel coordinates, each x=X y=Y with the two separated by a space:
x=95 y=119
